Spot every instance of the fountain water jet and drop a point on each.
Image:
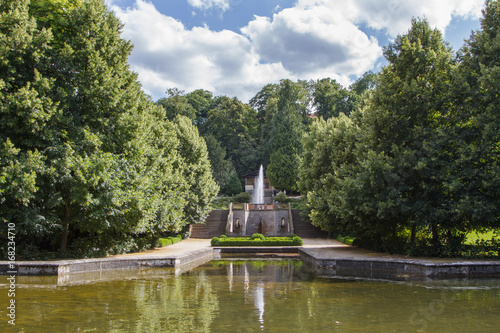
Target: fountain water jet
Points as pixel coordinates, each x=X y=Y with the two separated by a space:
x=258 y=188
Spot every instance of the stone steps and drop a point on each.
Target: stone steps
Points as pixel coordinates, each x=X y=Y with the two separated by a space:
x=305 y=229
x=214 y=226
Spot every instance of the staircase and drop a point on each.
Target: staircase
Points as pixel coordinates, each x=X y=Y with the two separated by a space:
x=214 y=226
x=305 y=229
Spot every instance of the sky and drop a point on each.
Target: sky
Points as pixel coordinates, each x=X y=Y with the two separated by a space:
x=236 y=47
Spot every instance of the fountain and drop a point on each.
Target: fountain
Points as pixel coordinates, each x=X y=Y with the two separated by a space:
x=261 y=215
x=258 y=190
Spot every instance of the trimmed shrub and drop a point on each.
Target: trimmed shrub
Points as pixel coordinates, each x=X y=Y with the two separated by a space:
x=247 y=241
x=215 y=241
x=297 y=241
x=258 y=236
x=223 y=236
x=169 y=240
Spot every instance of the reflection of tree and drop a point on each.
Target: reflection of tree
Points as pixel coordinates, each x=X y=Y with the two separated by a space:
x=281 y=297
x=182 y=304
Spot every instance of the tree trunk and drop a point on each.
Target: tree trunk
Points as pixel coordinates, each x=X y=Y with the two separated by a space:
x=413 y=234
x=435 y=236
x=65 y=222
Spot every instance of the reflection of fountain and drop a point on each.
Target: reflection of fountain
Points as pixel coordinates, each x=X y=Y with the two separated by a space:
x=259 y=301
x=258 y=188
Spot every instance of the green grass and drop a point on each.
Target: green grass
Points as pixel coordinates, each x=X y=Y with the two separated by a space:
x=473 y=236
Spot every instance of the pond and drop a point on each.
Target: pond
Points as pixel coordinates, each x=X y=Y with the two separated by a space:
x=250 y=296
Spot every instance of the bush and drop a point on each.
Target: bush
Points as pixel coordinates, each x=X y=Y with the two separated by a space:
x=221 y=203
x=215 y=241
x=347 y=240
x=281 y=198
x=243 y=197
x=169 y=240
x=258 y=236
x=248 y=241
x=297 y=241
x=223 y=236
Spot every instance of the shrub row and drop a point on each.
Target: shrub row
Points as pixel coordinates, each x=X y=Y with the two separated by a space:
x=169 y=240
x=347 y=240
x=257 y=240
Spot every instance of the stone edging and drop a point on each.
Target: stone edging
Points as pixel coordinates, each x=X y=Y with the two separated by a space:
x=62 y=267
x=362 y=267
x=398 y=269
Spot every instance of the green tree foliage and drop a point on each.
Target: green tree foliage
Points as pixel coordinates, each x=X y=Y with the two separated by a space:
x=235 y=126
x=409 y=110
x=233 y=185
x=196 y=171
x=285 y=137
x=331 y=99
x=477 y=91
x=384 y=171
x=177 y=104
x=87 y=158
x=222 y=168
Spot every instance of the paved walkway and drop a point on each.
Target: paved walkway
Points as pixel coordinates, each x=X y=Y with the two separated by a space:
x=175 y=250
x=194 y=244
x=320 y=248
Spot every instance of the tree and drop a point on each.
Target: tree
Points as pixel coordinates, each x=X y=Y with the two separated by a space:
x=221 y=167
x=25 y=113
x=235 y=126
x=385 y=172
x=331 y=99
x=407 y=114
x=196 y=170
x=177 y=104
x=285 y=139
x=476 y=91
x=86 y=156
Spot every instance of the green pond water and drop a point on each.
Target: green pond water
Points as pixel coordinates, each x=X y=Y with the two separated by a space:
x=248 y=296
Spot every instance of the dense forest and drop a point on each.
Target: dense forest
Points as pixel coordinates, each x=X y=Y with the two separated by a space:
x=405 y=159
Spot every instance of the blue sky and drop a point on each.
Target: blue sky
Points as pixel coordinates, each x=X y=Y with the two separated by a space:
x=235 y=47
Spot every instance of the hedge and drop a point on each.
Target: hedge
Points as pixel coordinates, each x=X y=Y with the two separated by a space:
x=169 y=240
x=256 y=241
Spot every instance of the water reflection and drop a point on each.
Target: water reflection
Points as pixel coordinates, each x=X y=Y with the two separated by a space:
x=253 y=296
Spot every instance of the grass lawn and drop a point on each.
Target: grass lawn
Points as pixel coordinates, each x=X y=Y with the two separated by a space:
x=473 y=236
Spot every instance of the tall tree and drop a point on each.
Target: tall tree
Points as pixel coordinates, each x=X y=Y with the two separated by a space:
x=477 y=92
x=93 y=156
x=285 y=138
x=196 y=171
x=25 y=115
x=222 y=168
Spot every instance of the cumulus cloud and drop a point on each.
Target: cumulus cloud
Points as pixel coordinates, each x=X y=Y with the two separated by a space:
x=167 y=55
x=208 y=4
x=394 y=16
x=311 y=40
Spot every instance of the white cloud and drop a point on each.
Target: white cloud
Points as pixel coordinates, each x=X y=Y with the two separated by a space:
x=314 y=39
x=208 y=4
x=394 y=16
x=167 y=55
